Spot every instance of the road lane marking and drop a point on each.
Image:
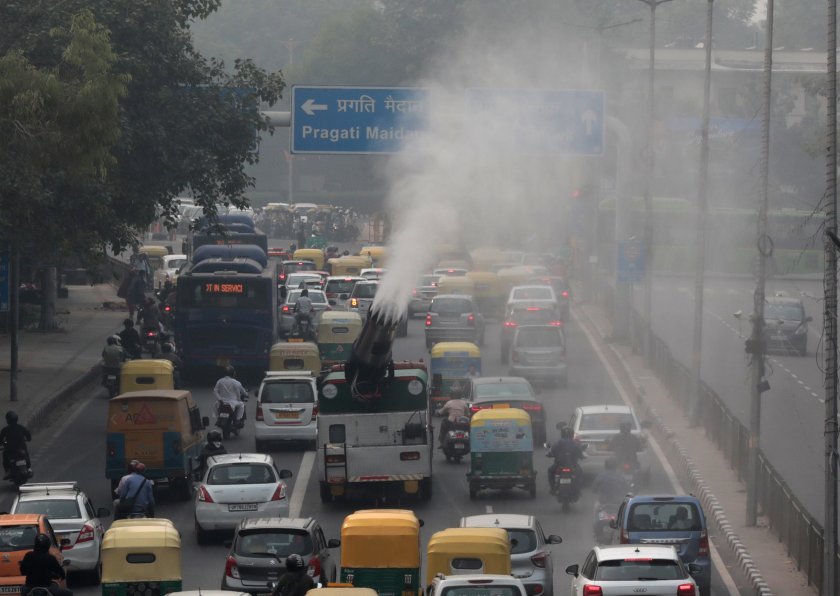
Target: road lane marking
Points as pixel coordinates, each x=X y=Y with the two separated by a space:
x=67 y=421
x=301 y=482
x=726 y=577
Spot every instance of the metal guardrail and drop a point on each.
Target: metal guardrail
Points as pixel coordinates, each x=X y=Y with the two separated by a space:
x=787 y=517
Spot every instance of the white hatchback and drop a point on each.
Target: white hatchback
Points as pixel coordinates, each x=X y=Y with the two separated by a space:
x=236 y=486
x=287 y=408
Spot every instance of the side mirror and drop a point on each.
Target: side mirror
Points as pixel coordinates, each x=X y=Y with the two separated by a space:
x=613 y=524
x=694 y=569
x=422 y=523
x=103 y=512
x=286 y=474
x=554 y=539
x=572 y=570
x=333 y=543
x=205 y=421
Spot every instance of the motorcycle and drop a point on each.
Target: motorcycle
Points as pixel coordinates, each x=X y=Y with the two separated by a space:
x=225 y=420
x=566 y=488
x=605 y=515
x=111 y=381
x=630 y=473
x=150 y=340
x=19 y=472
x=303 y=329
x=456 y=444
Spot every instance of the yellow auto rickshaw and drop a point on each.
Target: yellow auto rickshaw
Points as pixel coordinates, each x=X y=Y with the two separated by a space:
x=337 y=330
x=484 y=258
x=458 y=551
x=348 y=264
x=293 y=356
x=141 y=556
x=456 y=284
x=155 y=254
x=316 y=255
x=512 y=276
x=141 y=375
x=377 y=254
x=380 y=549
x=453 y=362
x=489 y=293
x=501 y=451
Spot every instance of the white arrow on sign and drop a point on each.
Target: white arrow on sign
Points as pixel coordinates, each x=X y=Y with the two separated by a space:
x=589 y=119
x=310 y=107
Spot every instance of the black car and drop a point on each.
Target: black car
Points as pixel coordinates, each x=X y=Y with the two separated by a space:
x=507 y=392
x=786 y=324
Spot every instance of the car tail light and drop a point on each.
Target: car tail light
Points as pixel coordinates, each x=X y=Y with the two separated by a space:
x=428 y=320
x=231 y=570
x=167 y=308
x=459 y=434
x=414 y=292
x=86 y=534
x=539 y=560
x=566 y=470
x=592 y=590
x=535 y=589
x=471 y=319
x=285 y=309
x=564 y=293
x=354 y=302
x=314 y=568
x=279 y=492
x=260 y=415
x=203 y=495
x=335 y=459
x=627 y=468
x=685 y=590
x=532 y=407
x=150 y=333
x=556 y=323
x=511 y=324
x=703 y=547
x=623 y=538
x=533 y=309
x=314 y=413
x=282 y=276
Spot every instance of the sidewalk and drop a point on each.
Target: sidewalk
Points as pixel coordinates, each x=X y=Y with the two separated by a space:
x=53 y=364
x=704 y=469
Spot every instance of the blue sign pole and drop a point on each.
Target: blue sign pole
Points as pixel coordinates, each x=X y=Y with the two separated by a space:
x=630 y=261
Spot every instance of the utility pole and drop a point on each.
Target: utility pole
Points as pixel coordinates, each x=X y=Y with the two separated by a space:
x=756 y=344
x=830 y=312
x=647 y=339
x=700 y=243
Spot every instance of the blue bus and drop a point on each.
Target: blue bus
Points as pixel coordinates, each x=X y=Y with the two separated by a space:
x=226 y=318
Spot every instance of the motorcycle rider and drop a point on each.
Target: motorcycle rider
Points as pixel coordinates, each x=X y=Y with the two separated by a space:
x=167 y=353
x=212 y=447
x=112 y=358
x=230 y=391
x=41 y=568
x=303 y=309
x=610 y=486
x=625 y=445
x=295 y=581
x=139 y=487
x=566 y=453
x=14 y=436
x=452 y=410
x=150 y=316
x=130 y=339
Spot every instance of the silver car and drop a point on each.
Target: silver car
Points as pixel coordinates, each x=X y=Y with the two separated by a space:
x=538 y=353
x=287 y=311
x=530 y=555
x=597 y=425
x=454 y=317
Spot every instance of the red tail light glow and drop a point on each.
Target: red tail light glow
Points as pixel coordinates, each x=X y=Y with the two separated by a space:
x=260 y=415
x=470 y=318
x=703 y=547
x=564 y=294
x=285 y=309
x=428 y=320
x=150 y=333
x=685 y=590
x=592 y=590
x=203 y=495
x=314 y=568
x=566 y=470
x=86 y=534
x=556 y=323
x=279 y=492
x=511 y=324
x=231 y=570
x=539 y=560
x=533 y=309
x=314 y=413
x=532 y=407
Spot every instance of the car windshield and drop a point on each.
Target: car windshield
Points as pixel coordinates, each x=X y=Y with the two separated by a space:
x=493 y=589
x=20 y=537
x=340 y=286
x=429 y=280
x=639 y=569
x=175 y=263
x=533 y=293
x=510 y=389
x=664 y=517
x=315 y=297
x=533 y=316
x=522 y=541
x=296 y=279
x=287 y=392
x=241 y=473
x=54 y=508
x=450 y=306
x=607 y=421
x=279 y=543
x=298 y=266
x=785 y=312
x=539 y=337
x=365 y=290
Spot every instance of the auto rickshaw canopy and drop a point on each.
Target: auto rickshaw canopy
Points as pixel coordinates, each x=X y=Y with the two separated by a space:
x=501 y=430
x=459 y=550
x=336 y=326
x=139 y=375
x=316 y=255
x=483 y=258
x=141 y=549
x=293 y=356
x=455 y=284
x=380 y=538
x=455 y=349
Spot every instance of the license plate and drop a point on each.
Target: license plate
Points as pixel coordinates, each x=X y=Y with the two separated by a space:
x=224 y=416
x=112 y=377
x=295 y=340
x=10 y=589
x=21 y=462
x=460 y=446
x=285 y=415
x=564 y=480
x=243 y=507
x=501 y=406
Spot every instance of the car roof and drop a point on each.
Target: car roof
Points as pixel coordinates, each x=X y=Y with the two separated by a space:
x=293 y=523
x=631 y=551
x=459 y=296
x=600 y=409
x=345 y=278
x=492 y=380
x=480 y=577
x=784 y=300
x=498 y=520
x=665 y=498
x=232 y=458
x=311 y=291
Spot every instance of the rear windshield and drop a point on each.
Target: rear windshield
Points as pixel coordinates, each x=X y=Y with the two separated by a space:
x=340 y=286
x=54 y=508
x=278 y=543
x=533 y=293
x=17 y=537
x=539 y=337
x=314 y=297
x=450 y=306
x=493 y=589
x=175 y=263
x=607 y=421
x=293 y=281
x=664 y=517
x=429 y=280
x=502 y=390
x=642 y=569
x=301 y=266
x=522 y=541
x=287 y=393
x=365 y=290
x=785 y=312
x=535 y=316
x=244 y=473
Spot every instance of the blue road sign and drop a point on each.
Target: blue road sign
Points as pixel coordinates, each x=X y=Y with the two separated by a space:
x=4 y=282
x=356 y=119
x=547 y=121
x=631 y=262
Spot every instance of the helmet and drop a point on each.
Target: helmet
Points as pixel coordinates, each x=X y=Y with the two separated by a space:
x=625 y=427
x=112 y=341
x=167 y=348
x=567 y=433
x=128 y=323
x=294 y=562
x=214 y=436
x=42 y=543
x=304 y=292
x=11 y=417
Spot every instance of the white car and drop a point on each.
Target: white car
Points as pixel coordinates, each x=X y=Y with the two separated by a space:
x=236 y=486
x=597 y=425
x=475 y=585
x=533 y=295
x=372 y=273
x=73 y=517
x=632 y=569
x=169 y=269
x=287 y=408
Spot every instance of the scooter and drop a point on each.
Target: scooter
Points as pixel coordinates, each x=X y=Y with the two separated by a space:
x=605 y=515
x=456 y=444
x=150 y=340
x=566 y=487
x=19 y=472
x=111 y=381
x=225 y=420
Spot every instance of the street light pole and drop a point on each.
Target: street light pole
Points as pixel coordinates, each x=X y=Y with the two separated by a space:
x=647 y=340
x=756 y=343
x=700 y=243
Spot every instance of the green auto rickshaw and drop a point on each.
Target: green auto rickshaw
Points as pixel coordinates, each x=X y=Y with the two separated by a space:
x=501 y=451
x=453 y=362
x=337 y=330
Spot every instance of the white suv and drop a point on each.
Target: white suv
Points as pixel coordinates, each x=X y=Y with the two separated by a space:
x=73 y=517
x=475 y=585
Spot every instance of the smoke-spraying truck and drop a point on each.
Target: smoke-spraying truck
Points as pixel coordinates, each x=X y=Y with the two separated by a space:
x=374 y=425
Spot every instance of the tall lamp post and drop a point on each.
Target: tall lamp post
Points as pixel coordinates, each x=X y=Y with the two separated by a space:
x=649 y=158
